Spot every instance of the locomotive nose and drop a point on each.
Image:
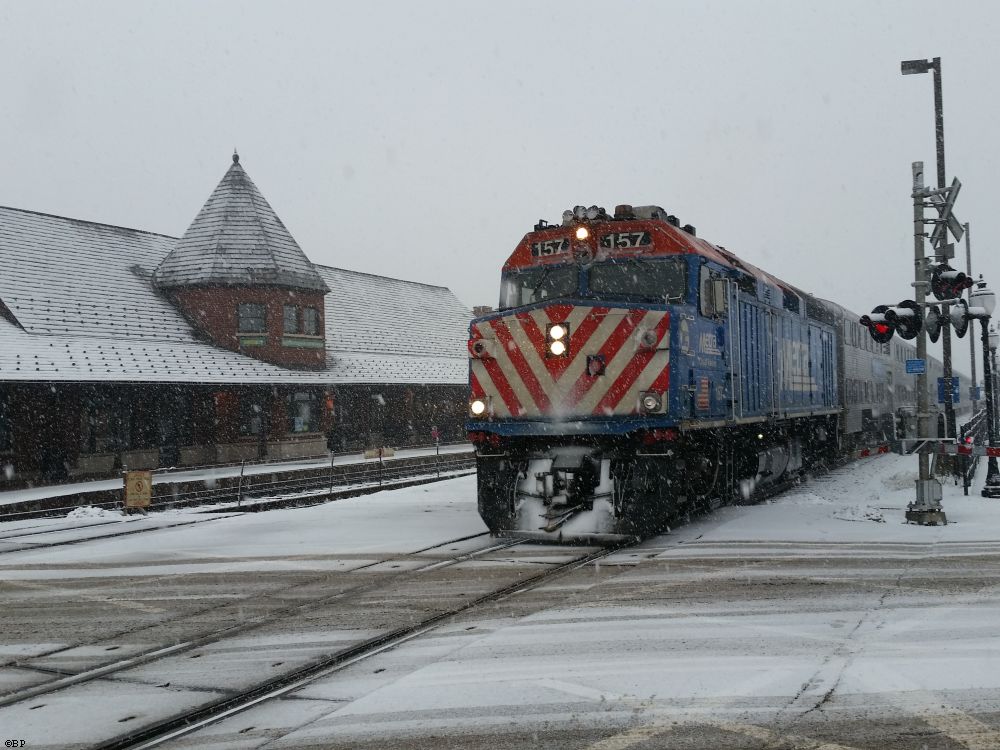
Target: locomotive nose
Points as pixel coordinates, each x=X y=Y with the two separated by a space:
x=573 y=360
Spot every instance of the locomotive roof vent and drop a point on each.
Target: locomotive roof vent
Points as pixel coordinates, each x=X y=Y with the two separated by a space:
x=624 y=211
x=650 y=212
x=690 y=230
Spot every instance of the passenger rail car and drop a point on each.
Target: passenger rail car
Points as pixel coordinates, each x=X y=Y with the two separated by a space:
x=634 y=372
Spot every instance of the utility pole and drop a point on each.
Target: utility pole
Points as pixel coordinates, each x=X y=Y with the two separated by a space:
x=949 y=407
x=927 y=507
x=942 y=250
x=972 y=339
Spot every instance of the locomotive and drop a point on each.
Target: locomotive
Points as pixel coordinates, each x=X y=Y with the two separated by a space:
x=634 y=373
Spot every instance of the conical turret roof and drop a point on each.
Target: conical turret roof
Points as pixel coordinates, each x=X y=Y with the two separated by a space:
x=237 y=239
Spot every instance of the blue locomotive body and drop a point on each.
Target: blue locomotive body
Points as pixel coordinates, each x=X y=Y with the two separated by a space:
x=634 y=371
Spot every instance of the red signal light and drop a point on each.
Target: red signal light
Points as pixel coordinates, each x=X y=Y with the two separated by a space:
x=879 y=326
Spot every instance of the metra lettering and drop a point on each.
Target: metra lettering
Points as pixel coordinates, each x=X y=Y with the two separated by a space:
x=708 y=344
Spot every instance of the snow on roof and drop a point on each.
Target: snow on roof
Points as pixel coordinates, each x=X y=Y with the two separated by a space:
x=84 y=309
x=88 y=359
x=237 y=238
x=77 y=278
x=367 y=313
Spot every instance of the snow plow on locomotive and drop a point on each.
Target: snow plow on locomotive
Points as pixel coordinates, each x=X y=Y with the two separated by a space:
x=634 y=373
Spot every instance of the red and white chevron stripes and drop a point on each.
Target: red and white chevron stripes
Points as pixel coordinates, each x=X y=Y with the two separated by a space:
x=519 y=380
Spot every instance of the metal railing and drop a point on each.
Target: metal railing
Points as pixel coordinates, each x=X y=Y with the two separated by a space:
x=975 y=428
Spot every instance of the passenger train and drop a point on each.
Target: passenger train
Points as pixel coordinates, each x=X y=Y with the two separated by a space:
x=634 y=372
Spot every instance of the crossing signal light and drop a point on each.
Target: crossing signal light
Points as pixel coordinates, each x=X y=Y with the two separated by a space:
x=933 y=322
x=880 y=328
x=906 y=318
x=959 y=314
x=947 y=283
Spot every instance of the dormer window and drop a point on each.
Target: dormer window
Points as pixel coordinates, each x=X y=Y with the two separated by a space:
x=291 y=319
x=251 y=318
x=310 y=321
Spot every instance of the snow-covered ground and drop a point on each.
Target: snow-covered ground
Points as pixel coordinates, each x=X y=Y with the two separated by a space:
x=819 y=617
x=818 y=620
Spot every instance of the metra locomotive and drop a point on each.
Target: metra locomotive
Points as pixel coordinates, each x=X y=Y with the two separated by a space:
x=634 y=372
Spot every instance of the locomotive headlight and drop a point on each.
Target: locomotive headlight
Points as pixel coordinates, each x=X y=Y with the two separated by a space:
x=477 y=407
x=650 y=402
x=582 y=233
x=557 y=339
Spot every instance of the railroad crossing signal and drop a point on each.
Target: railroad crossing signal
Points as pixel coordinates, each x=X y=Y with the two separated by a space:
x=947 y=283
x=933 y=322
x=959 y=314
x=946 y=221
x=880 y=328
x=906 y=318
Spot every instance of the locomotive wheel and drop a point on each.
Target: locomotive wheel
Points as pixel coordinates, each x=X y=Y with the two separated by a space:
x=497 y=488
x=701 y=477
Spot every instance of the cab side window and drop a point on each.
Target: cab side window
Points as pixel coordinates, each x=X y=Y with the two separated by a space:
x=712 y=298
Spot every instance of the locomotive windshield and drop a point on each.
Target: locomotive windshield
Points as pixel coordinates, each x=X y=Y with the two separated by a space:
x=640 y=280
x=537 y=284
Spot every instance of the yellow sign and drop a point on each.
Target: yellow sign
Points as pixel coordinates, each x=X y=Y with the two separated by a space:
x=138 y=489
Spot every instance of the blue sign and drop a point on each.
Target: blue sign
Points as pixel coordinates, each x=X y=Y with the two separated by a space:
x=916 y=366
x=975 y=393
x=954 y=390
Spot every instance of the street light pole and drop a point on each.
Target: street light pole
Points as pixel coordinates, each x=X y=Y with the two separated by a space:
x=994 y=341
x=983 y=303
x=992 y=488
x=972 y=339
x=910 y=67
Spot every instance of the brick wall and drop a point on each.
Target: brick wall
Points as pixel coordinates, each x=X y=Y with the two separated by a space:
x=213 y=310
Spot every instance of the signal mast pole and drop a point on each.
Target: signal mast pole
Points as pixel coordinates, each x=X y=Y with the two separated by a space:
x=949 y=407
x=943 y=250
x=927 y=507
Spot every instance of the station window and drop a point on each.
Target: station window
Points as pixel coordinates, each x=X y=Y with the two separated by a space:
x=6 y=430
x=310 y=321
x=251 y=416
x=291 y=319
x=104 y=424
x=303 y=412
x=251 y=317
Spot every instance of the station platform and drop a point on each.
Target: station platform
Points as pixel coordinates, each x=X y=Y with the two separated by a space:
x=208 y=482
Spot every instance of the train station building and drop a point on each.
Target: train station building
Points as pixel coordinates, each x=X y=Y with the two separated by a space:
x=121 y=348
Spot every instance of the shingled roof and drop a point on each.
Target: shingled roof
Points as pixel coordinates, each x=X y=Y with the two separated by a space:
x=79 y=306
x=237 y=239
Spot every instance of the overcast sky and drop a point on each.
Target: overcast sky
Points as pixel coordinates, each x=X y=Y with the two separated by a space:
x=422 y=139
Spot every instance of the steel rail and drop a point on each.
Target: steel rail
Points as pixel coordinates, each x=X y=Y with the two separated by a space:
x=128 y=532
x=214 y=636
x=344 y=479
x=191 y=721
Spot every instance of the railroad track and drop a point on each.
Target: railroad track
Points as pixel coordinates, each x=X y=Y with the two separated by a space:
x=213 y=636
x=27 y=542
x=307 y=487
x=188 y=722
